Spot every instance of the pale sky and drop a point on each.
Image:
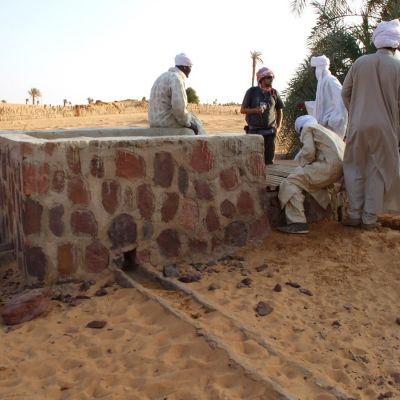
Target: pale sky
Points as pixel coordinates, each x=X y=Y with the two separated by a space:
x=114 y=49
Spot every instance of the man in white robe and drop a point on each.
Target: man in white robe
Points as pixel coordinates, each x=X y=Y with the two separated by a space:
x=328 y=108
x=168 y=99
x=371 y=93
x=320 y=167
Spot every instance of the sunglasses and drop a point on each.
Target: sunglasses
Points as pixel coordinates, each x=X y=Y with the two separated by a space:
x=269 y=77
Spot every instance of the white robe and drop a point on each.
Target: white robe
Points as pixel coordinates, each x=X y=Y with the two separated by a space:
x=328 y=108
x=320 y=165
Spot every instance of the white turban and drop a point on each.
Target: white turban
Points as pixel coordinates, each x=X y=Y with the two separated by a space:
x=387 y=34
x=301 y=121
x=321 y=65
x=183 y=59
x=321 y=61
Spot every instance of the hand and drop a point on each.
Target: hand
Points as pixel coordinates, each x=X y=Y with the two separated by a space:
x=278 y=129
x=260 y=110
x=194 y=128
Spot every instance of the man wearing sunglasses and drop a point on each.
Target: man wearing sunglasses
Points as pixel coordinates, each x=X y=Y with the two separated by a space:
x=263 y=108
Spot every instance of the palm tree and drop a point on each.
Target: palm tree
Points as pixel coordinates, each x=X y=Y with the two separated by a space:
x=34 y=92
x=255 y=58
x=342 y=40
x=298 y=6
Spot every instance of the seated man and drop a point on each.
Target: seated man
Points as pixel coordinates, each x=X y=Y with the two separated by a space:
x=168 y=99
x=321 y=165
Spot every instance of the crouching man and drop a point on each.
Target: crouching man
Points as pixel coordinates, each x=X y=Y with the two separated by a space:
x=321 y=165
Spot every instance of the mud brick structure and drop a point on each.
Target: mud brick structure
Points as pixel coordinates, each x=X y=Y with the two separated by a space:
x=73 y=201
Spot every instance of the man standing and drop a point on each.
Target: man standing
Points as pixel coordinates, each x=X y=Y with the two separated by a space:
x=263 y=108
x=320 y=166
x=328 y=108
x=371 y=93
x=168 y=99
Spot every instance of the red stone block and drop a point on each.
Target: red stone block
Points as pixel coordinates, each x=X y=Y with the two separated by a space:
x=203 y=190
x=122 y=231
x=66 y=259
x=56 y=223
x=228 y=179
x=35 y=178
x=183 y=180
x=212 y=220
x=259 y=228
x=215 y=243
x=236 y=234
x=49 y=148
x=163 y=169
x=257 y=164
x=31 y=217
x=189 y=215
x=227 y=209
x=77 y=191
x=26 y=306
x=129 y=165
x=110 y=195
x=169 y=207
x=73 y=159
x=97 y=257
x=143 y=256
x=245 y=204
x=97 y=167
x=43 y=181
x=169 y=243
x=145 y=201
x=3 y=165
x=36 y=263
x=197 y=246
x=26 y=149
x=58 y=181
x=83 y=223
x=202 y=159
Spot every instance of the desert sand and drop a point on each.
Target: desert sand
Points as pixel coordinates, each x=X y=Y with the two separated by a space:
x=332 y=330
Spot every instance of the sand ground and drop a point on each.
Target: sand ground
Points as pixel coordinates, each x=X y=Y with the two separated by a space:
x=333 y=337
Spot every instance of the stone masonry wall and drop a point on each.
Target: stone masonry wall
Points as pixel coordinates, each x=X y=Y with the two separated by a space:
x=70 y=206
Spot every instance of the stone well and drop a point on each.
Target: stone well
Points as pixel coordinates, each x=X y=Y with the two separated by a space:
x=72 y=201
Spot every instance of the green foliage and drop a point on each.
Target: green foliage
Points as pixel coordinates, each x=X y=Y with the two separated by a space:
x=192 y=96
x=342 y=42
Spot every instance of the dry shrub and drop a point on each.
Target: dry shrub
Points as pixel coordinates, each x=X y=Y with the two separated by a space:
x=14 y=112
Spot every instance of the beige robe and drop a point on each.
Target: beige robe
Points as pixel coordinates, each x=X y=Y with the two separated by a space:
x=168 y=103
x=371 y=93
x=320 y=165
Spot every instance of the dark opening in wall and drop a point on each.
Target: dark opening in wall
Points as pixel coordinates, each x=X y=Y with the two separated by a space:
x=129 y=263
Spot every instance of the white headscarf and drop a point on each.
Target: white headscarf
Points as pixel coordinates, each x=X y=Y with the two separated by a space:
x=301 y=121
x=320 y=61
x=183 y=59
x=387 y=34
x=321 y=64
